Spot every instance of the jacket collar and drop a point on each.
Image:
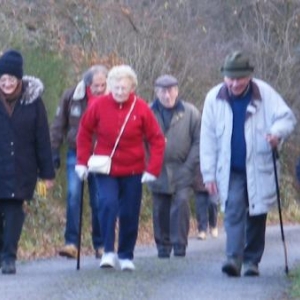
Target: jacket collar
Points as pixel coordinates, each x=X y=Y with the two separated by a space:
x=256 y=96
x=255 y=101
x=178 y=107
x=80 y=91
x=33 y=88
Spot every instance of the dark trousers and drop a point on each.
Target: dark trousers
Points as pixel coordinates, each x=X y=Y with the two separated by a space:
x=171 y=219
x=245 y=234
x=12 y=219
x=206 y=210
x=255 y=241
x=120 y=197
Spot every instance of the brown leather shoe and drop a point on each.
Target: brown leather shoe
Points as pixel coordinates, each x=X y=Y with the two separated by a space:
x=69 y=251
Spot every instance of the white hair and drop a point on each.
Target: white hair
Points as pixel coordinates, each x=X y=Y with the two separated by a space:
x=119 y=72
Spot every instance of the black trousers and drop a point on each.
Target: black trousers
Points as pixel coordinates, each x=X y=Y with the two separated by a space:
x=171 y=219
x=12 y=219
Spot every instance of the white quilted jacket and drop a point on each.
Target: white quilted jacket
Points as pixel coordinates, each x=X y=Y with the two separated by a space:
x=266 y=113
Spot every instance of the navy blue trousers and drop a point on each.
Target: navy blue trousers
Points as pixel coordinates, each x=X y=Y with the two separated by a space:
x=119 y=198
x=206 y=210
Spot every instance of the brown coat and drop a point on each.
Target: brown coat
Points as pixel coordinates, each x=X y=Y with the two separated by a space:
x=67 y=119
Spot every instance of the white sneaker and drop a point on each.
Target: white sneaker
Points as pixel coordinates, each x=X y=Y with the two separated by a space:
x=214 y=232
x=126 y=265
x=201 y=235
x=108 y=260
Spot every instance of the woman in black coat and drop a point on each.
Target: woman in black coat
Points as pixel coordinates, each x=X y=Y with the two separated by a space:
x=25 y=151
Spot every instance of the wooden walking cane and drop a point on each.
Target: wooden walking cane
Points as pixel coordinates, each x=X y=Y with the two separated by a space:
x=80 y=226
x=276 y=156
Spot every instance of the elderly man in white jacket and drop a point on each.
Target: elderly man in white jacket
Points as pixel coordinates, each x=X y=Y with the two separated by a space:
x=243 y=120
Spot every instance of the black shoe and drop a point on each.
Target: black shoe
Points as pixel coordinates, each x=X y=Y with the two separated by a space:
x=179 y=250
x=163 y=254
x=164 y=251
x=251 y=269
x=232 y=267
x=9 y=267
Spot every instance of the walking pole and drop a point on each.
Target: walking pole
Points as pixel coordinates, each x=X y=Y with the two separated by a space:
x=276 y=156
x=80 y=226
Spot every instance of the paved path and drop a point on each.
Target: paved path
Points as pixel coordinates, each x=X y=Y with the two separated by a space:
x=198 y=276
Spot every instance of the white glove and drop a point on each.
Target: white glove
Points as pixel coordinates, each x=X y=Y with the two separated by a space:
x=81 y=171
x=147 y=177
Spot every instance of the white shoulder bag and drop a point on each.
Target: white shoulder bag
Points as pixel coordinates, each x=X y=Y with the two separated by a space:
x=102 y=163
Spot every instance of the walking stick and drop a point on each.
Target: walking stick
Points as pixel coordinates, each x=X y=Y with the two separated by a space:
x=276 y=156
x=80 y=226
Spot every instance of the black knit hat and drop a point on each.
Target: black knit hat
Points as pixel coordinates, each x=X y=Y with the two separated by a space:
x=11 y=63
x=237 y=65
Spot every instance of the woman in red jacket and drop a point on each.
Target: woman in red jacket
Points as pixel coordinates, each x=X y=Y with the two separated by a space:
x=120 y=192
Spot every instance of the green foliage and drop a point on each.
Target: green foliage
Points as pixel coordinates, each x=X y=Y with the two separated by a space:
x=43 y=232
x=295 y=290
x=51 y=69
x=146 y=208
x=43 y=229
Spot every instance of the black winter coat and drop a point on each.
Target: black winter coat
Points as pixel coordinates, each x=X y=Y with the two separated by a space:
x=25 y=150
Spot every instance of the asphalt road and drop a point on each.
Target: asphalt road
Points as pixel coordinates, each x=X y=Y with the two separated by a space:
x=197 y=276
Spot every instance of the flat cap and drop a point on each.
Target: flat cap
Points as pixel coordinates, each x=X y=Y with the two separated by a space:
x=166 y=81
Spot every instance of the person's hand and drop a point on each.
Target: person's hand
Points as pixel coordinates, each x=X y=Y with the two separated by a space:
x=56 y=158
x=211 y=188
x=273 y=140
x=82 y=172
x=147 y=177
x=49 y=184
x=42 y=186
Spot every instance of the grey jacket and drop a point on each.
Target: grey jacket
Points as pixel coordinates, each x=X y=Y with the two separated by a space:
x=182 y=148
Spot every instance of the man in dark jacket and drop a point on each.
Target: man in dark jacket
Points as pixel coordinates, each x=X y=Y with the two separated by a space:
x=25 y=150
x=171 y=192
x=65 y=126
